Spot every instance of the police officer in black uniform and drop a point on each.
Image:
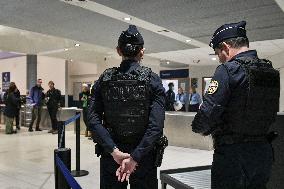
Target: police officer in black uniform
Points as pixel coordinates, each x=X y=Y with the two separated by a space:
x=238 y=109
x=126 y=116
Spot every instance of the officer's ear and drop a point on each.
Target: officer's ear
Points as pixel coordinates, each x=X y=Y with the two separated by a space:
x=118 y=50
x=141 y=53
x=226 y=47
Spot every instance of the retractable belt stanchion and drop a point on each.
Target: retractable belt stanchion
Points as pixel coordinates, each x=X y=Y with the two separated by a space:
x=65 y=155
x=78 y=172
x=61 y=134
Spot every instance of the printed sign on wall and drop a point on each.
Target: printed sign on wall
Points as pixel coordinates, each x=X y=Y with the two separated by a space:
x=5 y=80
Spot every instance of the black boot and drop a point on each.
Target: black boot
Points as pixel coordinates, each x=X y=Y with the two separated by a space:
x=38 y=129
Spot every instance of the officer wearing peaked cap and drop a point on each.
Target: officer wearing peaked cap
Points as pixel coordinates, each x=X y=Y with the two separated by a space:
x=236 y=113
x=126 y=115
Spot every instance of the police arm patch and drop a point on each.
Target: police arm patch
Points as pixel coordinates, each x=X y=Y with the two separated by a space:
x=213 y=87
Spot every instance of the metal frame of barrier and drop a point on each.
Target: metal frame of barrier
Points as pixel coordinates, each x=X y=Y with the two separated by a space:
x=167 y=178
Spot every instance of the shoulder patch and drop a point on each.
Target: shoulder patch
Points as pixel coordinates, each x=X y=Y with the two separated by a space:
x=213 y=87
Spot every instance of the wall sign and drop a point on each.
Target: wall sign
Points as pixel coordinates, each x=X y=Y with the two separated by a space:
x=5 y=80
x=171 y=74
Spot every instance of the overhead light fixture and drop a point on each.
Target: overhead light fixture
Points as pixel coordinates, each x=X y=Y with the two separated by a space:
x=127 y=18
x=188 y=40
x=71 y=60
x=77 y=45
x=214 y=58
x=66 y=49
x=163 y=31
x=168 y=62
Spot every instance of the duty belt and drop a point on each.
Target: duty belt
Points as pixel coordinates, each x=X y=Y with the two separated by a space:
x=236 y=139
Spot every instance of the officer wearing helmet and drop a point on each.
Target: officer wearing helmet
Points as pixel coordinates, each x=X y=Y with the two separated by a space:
x=236 y=113
x=126 y=116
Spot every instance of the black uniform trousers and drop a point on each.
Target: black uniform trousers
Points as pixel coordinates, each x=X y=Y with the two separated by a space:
x=52 y=110
x=17 y=117
x=145 y=177
x=242 y=166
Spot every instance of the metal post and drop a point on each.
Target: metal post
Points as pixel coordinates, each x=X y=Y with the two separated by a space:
x=65 y=155
x=61 y=134
x=78 y=172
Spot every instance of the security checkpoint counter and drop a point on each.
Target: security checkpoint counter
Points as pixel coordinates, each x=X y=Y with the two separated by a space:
x=63 y=114
x=200 y=177
x=179 y=132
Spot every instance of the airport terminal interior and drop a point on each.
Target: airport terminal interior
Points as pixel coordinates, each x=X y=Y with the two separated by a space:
x=72 y=42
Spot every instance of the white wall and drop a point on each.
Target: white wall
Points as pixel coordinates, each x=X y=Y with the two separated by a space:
x=48 y=69
x=281 y=107
x=90 y=72
x=18 y=70
x=200 y=72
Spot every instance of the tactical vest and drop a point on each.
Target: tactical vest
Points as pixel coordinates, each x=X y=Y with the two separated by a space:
x=126 y=98
x=253 y=106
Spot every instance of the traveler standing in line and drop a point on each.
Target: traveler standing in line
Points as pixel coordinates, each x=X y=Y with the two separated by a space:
x=194 y=100
x=84 y=100
x=53 y=98
x=11 y=108
x=170 y=98
x=37 y=98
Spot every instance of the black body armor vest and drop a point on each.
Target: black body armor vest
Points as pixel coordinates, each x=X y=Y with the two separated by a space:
x=253 y=107
x=126 y=98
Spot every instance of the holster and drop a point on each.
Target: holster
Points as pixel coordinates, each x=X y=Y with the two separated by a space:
x=271 y=137
x=159 y=148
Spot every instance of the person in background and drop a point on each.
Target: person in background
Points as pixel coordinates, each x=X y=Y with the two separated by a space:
x=28 y=98
x=182 y=98
x=37 y=98
x=170 y=98
x=17 y=117
x=11 y=109
x=53 y=97
x=84 y=100
x=194 y=100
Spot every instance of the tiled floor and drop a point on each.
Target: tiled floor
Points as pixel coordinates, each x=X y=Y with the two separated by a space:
x=26 y=160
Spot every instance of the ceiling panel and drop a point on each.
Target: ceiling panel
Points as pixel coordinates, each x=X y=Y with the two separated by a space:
x=199 y=19
x=57 y=18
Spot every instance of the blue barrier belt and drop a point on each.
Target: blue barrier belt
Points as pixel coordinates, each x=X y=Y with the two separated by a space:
x=69 y=178
x=66 y=123
x=72 y=119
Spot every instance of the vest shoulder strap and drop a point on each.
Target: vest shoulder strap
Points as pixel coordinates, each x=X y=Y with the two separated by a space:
x=144 y=73
x=108 y=73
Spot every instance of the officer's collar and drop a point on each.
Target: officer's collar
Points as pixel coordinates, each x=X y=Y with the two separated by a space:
x=126 y=64
x=250 y=53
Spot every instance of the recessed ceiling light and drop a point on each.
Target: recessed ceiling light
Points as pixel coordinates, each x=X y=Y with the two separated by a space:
x=127 y=18
x=188 y=40
x=77 y=45
x=163 y=31
x=65 y=49
x=71 y=60
x=168 y=62
x=213 y=58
